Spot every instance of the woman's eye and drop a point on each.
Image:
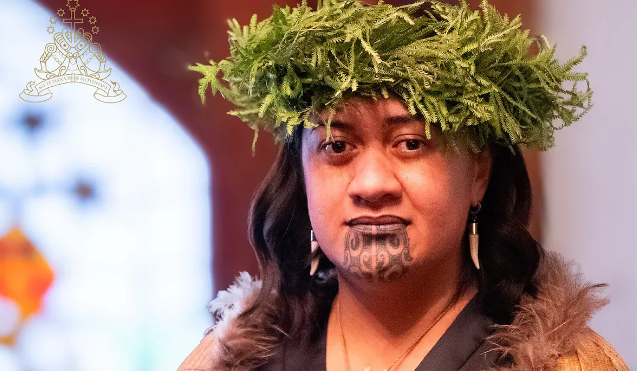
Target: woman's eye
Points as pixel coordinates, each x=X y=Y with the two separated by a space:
x=336 y=147
x=412 y=145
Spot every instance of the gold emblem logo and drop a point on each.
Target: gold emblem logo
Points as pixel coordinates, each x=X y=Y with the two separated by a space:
x=73 y=57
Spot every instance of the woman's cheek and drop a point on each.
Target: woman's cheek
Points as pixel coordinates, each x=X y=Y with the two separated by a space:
x=436 y=212
x=325 y=212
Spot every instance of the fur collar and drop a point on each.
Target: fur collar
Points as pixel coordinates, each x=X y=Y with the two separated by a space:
x=546 y=327
x=554 y=323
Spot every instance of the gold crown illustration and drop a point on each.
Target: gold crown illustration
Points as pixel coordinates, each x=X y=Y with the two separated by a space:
x=73 y=57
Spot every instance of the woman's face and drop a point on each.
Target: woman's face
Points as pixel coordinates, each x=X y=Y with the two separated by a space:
x=383 y=200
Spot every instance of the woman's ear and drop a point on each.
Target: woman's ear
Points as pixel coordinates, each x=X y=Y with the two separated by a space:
x=482 y=173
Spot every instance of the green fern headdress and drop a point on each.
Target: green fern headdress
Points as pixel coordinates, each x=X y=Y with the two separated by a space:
x=470 y=72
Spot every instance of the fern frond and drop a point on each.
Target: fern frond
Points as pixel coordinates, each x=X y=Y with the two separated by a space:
x=469 y=72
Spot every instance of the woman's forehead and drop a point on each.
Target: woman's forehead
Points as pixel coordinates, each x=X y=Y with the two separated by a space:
x=362 y=113
x=361 y=106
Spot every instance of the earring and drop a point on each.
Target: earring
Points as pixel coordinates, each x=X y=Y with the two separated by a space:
x=313 y=247
x=473 y=234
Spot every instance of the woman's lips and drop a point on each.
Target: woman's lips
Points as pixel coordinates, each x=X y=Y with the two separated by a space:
x=378 y=220
x=378 y=229
x=378 y=224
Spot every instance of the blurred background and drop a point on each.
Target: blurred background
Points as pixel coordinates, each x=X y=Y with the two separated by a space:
x=119 y=222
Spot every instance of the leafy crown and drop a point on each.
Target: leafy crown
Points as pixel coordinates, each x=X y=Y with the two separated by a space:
x=469 y=72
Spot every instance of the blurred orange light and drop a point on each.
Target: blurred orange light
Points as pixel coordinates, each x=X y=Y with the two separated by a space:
x=25 y=277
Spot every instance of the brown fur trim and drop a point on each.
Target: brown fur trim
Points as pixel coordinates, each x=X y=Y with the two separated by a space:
x=245 y=336
x=554 y=323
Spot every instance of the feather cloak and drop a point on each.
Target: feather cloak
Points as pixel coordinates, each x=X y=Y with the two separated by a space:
x=549 y=331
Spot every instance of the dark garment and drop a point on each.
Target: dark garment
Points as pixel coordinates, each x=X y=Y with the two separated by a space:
x=461 y=348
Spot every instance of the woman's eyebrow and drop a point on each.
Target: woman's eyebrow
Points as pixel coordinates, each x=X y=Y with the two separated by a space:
x=389 y=121
x=336 y=124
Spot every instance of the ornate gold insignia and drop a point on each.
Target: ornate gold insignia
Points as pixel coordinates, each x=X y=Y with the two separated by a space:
x=73 y=57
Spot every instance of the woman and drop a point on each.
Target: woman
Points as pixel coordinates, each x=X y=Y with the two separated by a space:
x=400 y=188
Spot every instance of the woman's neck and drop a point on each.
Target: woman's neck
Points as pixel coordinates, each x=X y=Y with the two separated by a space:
x=380 y=321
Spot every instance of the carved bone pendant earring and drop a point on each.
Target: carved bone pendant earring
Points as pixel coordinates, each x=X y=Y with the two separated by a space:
x=313 y=247
x=473 y=234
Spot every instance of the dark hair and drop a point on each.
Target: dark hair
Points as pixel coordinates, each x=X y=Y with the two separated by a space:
x=291 y=301
x=509 y=255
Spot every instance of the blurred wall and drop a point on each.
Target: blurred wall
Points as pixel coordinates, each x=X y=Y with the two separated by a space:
x=104 y=217
x=155 y=41
x=590 y=176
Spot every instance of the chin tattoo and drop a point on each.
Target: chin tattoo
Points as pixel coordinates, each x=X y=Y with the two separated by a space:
x=377 y=253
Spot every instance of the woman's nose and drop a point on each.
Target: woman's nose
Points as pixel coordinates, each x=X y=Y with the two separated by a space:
x=374 y=180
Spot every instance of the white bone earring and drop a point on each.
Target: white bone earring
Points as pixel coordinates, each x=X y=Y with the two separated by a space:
x=473 y=234
x=313 y=247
